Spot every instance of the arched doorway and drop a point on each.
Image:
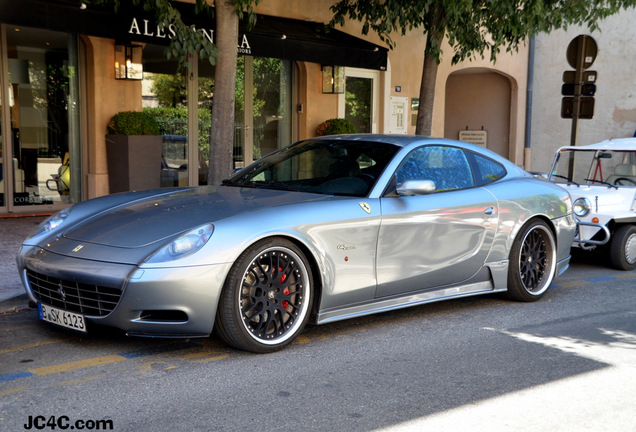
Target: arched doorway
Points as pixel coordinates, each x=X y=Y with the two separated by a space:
x=479 y=100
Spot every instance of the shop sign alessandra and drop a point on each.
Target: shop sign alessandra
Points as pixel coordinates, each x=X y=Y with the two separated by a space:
x=147 y=28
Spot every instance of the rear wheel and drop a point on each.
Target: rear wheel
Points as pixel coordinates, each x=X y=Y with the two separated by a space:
x=532 y=262
x=623 y=248
x=266 y=298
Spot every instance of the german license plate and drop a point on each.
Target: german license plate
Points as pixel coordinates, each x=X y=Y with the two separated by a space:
x=61 y=317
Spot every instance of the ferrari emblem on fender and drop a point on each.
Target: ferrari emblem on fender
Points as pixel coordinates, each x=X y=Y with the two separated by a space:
x=78 y=248
x=366 y=207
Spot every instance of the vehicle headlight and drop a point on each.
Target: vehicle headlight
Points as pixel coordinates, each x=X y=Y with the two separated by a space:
x=184 y=245
x=53 y=222
x=582 y=207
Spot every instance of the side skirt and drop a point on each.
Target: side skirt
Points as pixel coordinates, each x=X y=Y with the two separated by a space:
x=395 y=303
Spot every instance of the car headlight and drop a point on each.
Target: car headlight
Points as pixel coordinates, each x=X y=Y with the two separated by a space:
x=53 y=222
x=582 y=206
x=184 y=245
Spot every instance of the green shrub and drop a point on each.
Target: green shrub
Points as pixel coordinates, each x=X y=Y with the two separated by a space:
x=335 y=126
x=133 y=123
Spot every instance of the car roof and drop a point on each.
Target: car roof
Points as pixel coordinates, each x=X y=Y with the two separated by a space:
x=406 y=141
x=618 y=144
x=399 y=140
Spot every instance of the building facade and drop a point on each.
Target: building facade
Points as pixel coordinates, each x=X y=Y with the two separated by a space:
x=65 y=70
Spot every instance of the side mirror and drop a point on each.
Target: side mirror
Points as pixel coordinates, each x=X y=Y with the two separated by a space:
x=416 y=187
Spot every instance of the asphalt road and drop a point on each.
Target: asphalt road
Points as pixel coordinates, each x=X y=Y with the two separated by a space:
x=565 y=363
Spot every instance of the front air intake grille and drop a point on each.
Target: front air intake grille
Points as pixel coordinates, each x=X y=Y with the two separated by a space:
x=77 y=297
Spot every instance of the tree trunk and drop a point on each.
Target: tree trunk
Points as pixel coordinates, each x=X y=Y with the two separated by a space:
x=427 y=88
x=222 y=133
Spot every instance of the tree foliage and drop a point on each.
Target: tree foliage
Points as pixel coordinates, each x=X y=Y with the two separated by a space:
x=474 y=27
x=471 y=27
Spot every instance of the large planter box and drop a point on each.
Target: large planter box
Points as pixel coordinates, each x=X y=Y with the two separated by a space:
x=134 y=162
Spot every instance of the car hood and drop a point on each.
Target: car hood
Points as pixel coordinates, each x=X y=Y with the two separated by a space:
x=155 y=218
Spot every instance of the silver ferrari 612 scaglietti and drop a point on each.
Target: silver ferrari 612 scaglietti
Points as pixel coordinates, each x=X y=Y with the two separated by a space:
x=323 y=230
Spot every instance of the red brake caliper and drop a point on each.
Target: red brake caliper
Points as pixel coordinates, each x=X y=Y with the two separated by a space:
x=284 y=303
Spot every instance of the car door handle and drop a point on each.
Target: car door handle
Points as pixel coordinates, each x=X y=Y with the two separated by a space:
x=490 y=211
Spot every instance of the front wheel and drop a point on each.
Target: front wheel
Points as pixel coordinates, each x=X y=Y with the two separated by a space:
x=532 y=262
x=265 y=302
x=623 y=248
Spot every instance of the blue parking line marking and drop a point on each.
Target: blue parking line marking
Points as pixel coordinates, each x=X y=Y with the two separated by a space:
x=6 y=377
x=13 y=376
x=600 y=279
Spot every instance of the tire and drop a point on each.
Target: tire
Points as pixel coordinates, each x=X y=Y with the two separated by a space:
x=532 y=262
x=266 y=299
x=623 y=248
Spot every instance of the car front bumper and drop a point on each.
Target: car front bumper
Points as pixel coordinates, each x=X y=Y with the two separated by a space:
x=158 y=302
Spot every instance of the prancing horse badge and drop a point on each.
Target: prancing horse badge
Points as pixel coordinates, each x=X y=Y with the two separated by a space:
x=365 y=207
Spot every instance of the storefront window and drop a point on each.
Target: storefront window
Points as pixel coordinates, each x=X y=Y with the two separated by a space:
x=43 y=109
x=165 y=95
x=263 y=108
x=262 y=112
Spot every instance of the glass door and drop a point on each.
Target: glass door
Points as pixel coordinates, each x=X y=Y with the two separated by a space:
x=41 y=127
x=359 y=102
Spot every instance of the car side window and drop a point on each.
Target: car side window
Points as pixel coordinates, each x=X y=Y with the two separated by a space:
x=445 y=166
x=488 y=170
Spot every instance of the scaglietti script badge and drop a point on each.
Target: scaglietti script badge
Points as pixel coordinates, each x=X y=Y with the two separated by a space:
x=366 y=207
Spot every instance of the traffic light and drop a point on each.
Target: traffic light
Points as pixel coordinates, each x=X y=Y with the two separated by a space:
x=567 y=89
x=586 y=107
x=587 y=91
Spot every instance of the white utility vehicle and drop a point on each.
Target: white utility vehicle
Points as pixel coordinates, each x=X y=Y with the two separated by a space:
x=601 y=179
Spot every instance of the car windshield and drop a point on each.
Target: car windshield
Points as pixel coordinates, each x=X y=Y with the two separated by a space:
x=596 y=167
x=333 y=167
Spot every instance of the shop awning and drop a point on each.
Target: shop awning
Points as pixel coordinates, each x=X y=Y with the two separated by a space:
x=271 y=37
x=308 y=41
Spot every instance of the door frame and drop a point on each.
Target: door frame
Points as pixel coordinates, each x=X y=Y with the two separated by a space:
x=375 y=98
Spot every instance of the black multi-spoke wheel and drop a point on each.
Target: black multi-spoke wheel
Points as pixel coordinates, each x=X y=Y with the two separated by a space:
x=532 y=262
x=266 y=299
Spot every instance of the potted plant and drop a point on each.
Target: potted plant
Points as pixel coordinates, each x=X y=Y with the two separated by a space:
x=133 y=152
x=335 y=126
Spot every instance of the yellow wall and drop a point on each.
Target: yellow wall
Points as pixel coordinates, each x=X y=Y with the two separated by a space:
x=106 y=96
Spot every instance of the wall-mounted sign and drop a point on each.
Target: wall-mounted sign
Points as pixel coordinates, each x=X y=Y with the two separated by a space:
x=398 y=119
x=478 y=137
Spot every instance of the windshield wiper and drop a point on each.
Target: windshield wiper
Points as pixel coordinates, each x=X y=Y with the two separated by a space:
x=569 y=180
x=602 y=182
x=263 y=185
x=228 y=182
x=276 y=185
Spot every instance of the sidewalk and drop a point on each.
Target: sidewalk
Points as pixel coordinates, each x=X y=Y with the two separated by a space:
x=12 y=231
